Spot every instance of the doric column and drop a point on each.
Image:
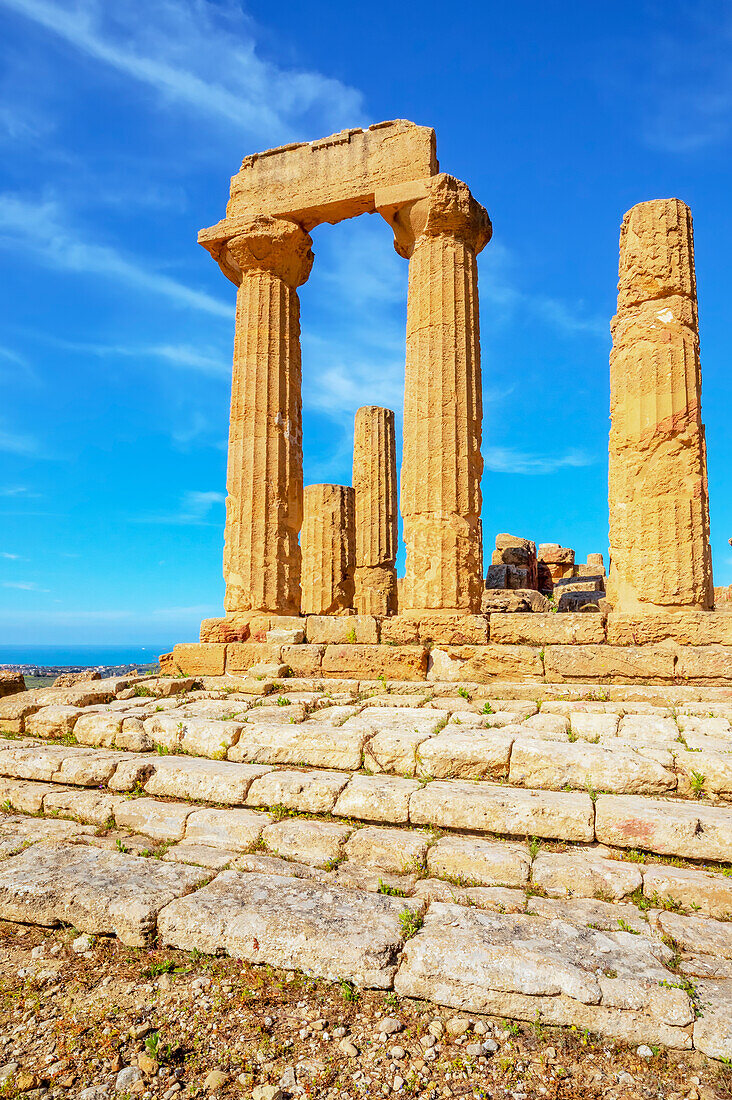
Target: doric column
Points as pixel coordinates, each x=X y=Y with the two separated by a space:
x=375 y=485
x=660 y=557
x=269 y=258
x=328 y=549
x=441 y=233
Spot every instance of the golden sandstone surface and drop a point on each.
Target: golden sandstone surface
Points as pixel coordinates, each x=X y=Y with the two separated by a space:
x=659 y=591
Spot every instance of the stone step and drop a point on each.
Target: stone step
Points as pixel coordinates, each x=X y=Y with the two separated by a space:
x=551 y=964
x=560 y=747
x=670 y=826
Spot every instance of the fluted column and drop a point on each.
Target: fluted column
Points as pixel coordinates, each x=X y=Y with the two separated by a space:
x=328 y=549
x=375 y=485
x=660 y=557
x=269 y=258
x=441 y=234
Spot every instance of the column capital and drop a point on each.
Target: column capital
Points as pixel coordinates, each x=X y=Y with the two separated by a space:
x=261 y=243
x=440 y=206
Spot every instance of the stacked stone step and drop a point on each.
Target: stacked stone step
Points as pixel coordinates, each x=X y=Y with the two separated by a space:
x=320 y=880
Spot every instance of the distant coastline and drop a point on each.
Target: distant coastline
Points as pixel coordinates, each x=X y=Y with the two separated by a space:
x=67 y=658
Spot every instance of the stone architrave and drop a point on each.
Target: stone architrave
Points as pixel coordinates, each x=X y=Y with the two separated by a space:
x=328 y=549
x=375 y=485
x=441 y=228
x=268 y=258
x=659 y=514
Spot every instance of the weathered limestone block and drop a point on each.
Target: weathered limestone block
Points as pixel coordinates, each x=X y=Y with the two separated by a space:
x=551 y=553
x=331 y=179
x=370 y=662
x=208 y=737
x=648 y=728
x=377 y=798
x=507 y=577
x=303 y=660
x=241 y=656
x=158 y=820
x=688 y=628
x=396 y=850
x=481 y=664
x=328 y=549
x=592 y=726
x=91 y=807
x=584 y=874
x=98 y=728
x=715 y=769
x=713 y=1030
x=375 y=485
x=492 y=808
x=441 y=230
x=522 y=966
x=698 y=934
x=340 y=935
x=309 y=792
x=659 y=512
x=201 y=855
x=356 y=877
x=430 y=627
x=705 y=664
x=555 y=766
x=11 y=682
x=23 y=796
x=547 y=629
x=236 y=830
x=710 y=893
x=519 y=600
x=185 y=777
x=268 y=259
x=469 y=860
x=466 y=754
x=590 y=913
x=315 y=842
x=518 y=552
x=312 y=744
x=92 y=890
x=668 y=828
x=342 y=629
x=202 y=659
x=609 y=664
x=59 y=764
x=52 y=722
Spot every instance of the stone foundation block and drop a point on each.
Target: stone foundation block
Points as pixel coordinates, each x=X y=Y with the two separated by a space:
x=471 y=861
x=374 y=661
x=314 y=842
x=609 y=664
x=396 y=850
x=556 y=766
x=342 y=629
x=570 y=874
x=231 y=628
x=710 y=893
x=52 y=722
x=481 y=664
x=291 y=923
x=309 y=792
x=240 y=656
x=670 y=828
x=705 y=664
x=690 y=628
x=547 y=629
x=303 y=660
x=428 y=627
x=493 y=808
x=203 y=659
x=377 y=798
x=93 y=890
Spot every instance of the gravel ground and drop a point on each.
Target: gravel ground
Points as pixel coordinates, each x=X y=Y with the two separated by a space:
x=91 y=1019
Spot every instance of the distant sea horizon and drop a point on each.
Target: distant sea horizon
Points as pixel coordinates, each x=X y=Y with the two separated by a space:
x=85 y=655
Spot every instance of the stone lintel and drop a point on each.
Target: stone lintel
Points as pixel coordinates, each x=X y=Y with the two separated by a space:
x=335 y=177
x=694 y=628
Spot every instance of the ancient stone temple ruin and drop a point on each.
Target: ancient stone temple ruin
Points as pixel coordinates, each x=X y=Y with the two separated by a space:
x=503 y=789
x=310 y=571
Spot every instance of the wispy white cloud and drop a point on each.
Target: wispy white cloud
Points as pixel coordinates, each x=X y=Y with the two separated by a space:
x=17 y=491
x=18 y=443
x=198 y=56
x=507 y=460
x=195 y=510
x=24 y=586
x=43 y=229
x=11 y=557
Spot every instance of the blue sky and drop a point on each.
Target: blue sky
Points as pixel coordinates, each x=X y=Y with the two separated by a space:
x=120 y=125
